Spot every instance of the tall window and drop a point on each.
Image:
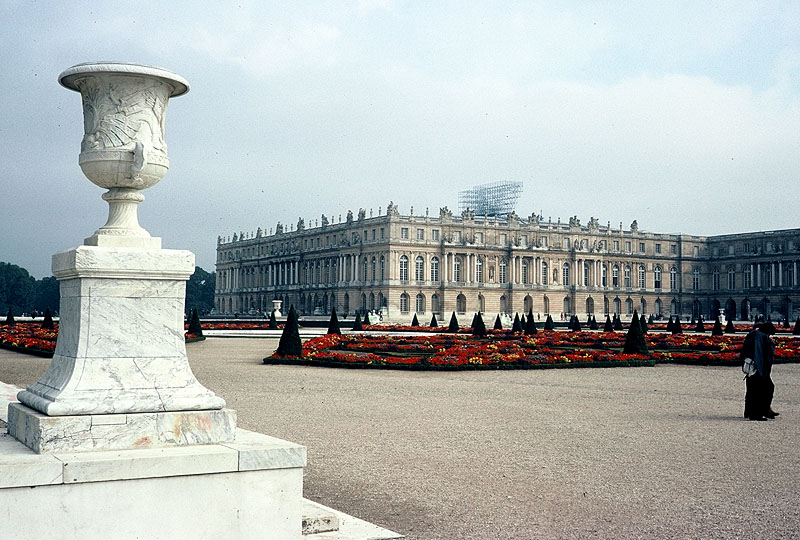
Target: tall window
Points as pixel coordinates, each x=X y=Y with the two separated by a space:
x=603 y=278
x=641 y=276
x=544 y=273
x=461 y=303
x=615 y=276
x=789 y=273
x=715 y=279
x=731 y=279
x=658 y=307
x=767 y=279
x=481 y=306
x=673 y=279
x=524 y=272
x=404 y=234
x=364 y=273
x=586 y=274
x=657 y=277
x=502 y=272
x=747 y=274
x=435 y=303
x=374 y=269
x=627 y=275
x=420 y=234
x=629 y=306
x=479 y=269
x=420 y=303
x=383 y=267
x=419 y=268
x=404 y=269
x=565 y=274
x=617 y=306
x=434 y=269
x=457 y=269
x=696 y=279
x=404 y=303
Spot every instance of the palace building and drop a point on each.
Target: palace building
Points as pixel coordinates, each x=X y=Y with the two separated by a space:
x=400 y=265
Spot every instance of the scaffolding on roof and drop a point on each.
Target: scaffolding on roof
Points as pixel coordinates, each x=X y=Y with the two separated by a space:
x=493 y=199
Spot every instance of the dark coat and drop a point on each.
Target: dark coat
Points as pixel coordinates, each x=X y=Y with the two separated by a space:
x=759 y=347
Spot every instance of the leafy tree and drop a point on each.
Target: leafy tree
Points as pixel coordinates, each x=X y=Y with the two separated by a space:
x=516 y=325
x=357 y=325
x=453 y=326
x=498 y=324
x=47 y=295
x=16 y=288
x=478 y=326
x=634 y=340
x=290 y=344
x=548 y=323
x=434 y=322
x=194 y=324
x=333 y=324
x=415 y=321
x=200 y=290
x=530 y=324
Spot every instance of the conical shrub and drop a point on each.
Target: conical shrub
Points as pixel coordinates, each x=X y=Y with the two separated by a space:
x=290 y=344
x=273 y=322
x=651 y=319
x=358 y=326
x=453 y=326
x=617 y=322
x=670 y=324
x=643 y=324
x=548 y=323
x=434 y=322
x=717 y=329
x=415 y=321
x=796 y=330
x=700 y=327
x=530 y=324
x=194 y=324
x=576 y=324
x=498 y=324
x=676 y=326
x=333 y=324
x=634 y=340
x=478 y=326
x=517 y=325
x=608 y=327
x=729 y=327
x=593 y=324
x=48 y=323
x=10 y=317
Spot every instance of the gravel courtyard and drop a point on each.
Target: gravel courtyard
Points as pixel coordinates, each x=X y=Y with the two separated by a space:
x=582 y=453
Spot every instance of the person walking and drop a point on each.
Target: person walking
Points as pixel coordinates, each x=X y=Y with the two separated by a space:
x=758 y=353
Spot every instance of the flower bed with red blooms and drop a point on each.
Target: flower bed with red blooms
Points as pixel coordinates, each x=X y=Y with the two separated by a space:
x=504 y=350
x=244 y=325
x=29 y=337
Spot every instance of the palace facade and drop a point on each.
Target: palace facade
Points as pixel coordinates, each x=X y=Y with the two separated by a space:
x=400 y=265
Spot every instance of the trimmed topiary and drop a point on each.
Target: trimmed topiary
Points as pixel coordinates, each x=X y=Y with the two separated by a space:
x=517 y=325
x=498 y=324
x=700 y=327
x=651 y=319
x=676 y=326
x=453 y=326
x=729 y=327
x=273 y=322
x=571 y=322
x=796 y=330
x=643 y=324
x=472 y=324
x=478 y=326
x=10 y=317
x=48 y=323
x=670 y=323
x=576 y=324
x=548 y=323
x=617 y=322
x=634 y=340
x=593 y=324
x=530 y=324
x=434 y=322
x=358 y=326
x=717 y=329
x=290 y=344
x=194 y=324
x=333 y=324
x=608 y=327
x=415 y=321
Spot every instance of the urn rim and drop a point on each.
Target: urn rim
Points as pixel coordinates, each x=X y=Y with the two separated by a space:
x=67 y=78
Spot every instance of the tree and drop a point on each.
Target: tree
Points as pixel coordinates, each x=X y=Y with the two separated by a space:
x=10 y=317
x=194 y=324
x=200 y=290
x=608 y=327
x=273 y=322
x=333 y=324
x=717 y=330
x=576 y=324
x=700 y=327
x=530 y=324
x=453 y=326
x=796 y=330
x=593 y=324
x=290 y=344
x=548 y=323
x=676 y=326
x=729 y=327
x=357 y=325
x=478 y=326
x=434 y=322
x=415 y=321
x=498 y=324
x=643 y=324
x=670 y=324
x=47 y=322
x=634 y=340
x=16 y=288
x=516 y=326
x=47 y=295
x=617 y=322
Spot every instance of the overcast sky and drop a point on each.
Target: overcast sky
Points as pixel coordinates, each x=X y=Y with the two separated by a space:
x=682 y=115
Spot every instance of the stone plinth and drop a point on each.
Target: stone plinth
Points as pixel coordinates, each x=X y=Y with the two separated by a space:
x=121 y=342
x=250 y=488
x=42 y=433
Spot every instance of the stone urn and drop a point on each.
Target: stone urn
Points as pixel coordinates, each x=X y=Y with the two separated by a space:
x=123 y=148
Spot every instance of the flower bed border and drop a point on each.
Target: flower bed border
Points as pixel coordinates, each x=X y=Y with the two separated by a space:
x=291 y=361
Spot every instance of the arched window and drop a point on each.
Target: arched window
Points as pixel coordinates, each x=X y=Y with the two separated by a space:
x=658 y=307
x=372 y=301
x=615 y=275
x=480 y=303
x=404 y=303
x=673 y=279
x=586 y=274
x=420 y=303
x=626 y=276
x=641 y=276
x=364 y=275
x=457 y=269
x=696 y=279
x=382 y=268
x=502 y=271
x=435 y=308
x=528 y=303
x=435 y=269
x=544 y=274
x=732 y=277
x=565 y=274
x=590 y=306
x=381 y=300
x=546 y=304
x=643 y=308
x=657 y=277
x=404 y=269
x=503 y=304
x=419 y=268
x=715 y=279
x=363 y=302
x=605 y=305
x=617 y=306
x=374 y=269
x=629 y=306
x=346 y=305
x=673 y=307
x=461 y=303
x=567 y=305
x=767 y=279
x=603 y=277
x=747 y=275
x=479 y=269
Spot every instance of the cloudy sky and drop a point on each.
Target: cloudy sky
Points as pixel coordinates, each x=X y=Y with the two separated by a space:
x=682 y=115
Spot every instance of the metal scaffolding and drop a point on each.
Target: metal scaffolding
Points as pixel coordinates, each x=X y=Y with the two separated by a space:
x=493 y=199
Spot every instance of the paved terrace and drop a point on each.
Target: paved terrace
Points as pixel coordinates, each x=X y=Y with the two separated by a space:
x=582 y=453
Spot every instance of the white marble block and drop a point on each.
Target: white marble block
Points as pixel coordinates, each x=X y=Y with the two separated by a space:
x=121 y=342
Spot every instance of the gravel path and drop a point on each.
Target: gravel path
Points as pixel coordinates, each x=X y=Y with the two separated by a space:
x=583 y=453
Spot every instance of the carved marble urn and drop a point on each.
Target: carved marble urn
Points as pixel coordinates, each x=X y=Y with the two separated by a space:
x=123 y=148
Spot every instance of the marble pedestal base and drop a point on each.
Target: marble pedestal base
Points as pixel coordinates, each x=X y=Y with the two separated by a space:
x=247 y=489
x=121 y=342
x=42 y=433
